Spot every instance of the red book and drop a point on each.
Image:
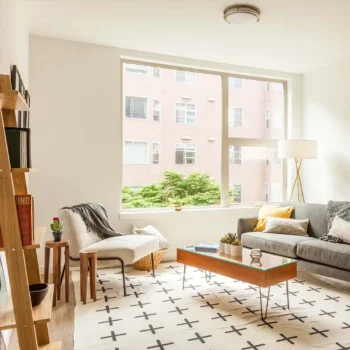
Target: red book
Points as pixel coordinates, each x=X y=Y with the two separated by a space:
x=25 y=217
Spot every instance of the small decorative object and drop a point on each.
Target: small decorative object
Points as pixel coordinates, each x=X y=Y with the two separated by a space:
x=177 y=207
x=38 y=292
x=176 y=197
x=230 y=245
x=256 y=256
x=56 y=228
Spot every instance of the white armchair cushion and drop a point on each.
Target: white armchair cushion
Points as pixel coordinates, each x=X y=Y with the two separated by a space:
x=75 y=231
x=129 y=248
x=152 y=231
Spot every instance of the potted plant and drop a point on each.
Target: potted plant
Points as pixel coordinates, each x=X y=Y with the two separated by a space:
x=236 y=246
x=56 y=228
x=223 y=243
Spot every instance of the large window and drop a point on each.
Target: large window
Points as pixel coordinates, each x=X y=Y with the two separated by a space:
x=200 y=139
x=235 y=117
x=185 y=77
x=135 y=107
x=185 y=113
x=185 y=153
x=135 y=152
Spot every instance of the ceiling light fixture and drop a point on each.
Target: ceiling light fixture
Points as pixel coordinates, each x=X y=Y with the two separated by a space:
x=241 y=14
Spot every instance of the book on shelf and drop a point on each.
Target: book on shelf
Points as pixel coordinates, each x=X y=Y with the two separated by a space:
x=207 y=247
x=25 y=212
x=18 y=144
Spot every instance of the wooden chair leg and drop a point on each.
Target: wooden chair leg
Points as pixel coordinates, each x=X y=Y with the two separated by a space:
x=56 y=276
x=84 y=264
x=59 y=273
x=93 y=274
x=66 y=254
x=47 y=265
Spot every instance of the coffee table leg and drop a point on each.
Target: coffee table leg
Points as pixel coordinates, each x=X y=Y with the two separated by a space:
x=287 y=288
x=267 y=304
x=207 y=276
x=184 y=278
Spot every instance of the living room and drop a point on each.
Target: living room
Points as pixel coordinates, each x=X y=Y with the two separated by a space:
x=82 y=62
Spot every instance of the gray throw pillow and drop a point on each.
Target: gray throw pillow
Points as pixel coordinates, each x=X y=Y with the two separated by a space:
x=340 y=209
x=286 y=226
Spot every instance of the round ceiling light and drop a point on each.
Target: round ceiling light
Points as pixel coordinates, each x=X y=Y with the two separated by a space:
x=241 y=14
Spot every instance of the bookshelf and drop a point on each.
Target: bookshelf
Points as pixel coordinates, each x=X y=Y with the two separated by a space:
x=22 y=261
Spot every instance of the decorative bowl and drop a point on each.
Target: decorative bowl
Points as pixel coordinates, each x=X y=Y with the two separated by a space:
x=38 y=292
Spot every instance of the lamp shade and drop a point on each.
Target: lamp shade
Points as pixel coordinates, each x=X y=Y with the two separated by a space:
x=299 y=149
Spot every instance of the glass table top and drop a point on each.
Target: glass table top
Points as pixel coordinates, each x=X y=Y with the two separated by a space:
x=268 y=261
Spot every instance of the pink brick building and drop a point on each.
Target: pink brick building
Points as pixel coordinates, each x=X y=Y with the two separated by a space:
x=172 y=122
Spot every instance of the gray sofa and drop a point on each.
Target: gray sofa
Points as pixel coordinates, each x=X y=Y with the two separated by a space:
x=313 y=255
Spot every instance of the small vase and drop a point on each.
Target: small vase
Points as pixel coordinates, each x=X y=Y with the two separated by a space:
x=236 y=250
x=227 y=249
x=57 y=236
x=222 y=248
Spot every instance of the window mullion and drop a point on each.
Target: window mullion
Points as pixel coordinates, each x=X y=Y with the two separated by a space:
x=225 y=169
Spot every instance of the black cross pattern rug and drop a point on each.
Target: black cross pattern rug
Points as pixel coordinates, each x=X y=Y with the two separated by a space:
x=222 y=314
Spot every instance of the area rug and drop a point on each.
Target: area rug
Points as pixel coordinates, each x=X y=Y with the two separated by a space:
x=222 y=314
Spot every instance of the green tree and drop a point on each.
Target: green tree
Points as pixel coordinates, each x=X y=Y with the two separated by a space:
x=197 y=189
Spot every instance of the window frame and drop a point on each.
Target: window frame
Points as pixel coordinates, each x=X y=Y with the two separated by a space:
x=185 y=150
x=234 y=87
x=160 y=110
x=124 y=152
x=268 y=118
x=131 y=118
x=135 y=64
x=186 y=81
x=226 y=139
x=185 y=117
x=153 y=152
x=241 y=190
x=232 y=125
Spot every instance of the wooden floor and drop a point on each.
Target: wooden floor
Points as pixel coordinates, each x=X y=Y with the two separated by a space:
x=61 y=326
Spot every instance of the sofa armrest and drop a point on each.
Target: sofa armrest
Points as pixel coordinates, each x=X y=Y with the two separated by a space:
x=245 y=225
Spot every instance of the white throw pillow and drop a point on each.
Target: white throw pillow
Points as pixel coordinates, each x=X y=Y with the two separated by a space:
x=286 y=226
x=152 y=231
x=340 y=229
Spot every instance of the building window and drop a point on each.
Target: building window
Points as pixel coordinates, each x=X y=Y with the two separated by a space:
x=187 y=77
x=267 y=86
x=185 y=113
x=156 y=110
x=235 y=83
x=185 y=153
x=266 y=192
x=135 y=107
x=136 y=68
x=267 y=159
x=235 y=119
x=237 y=193
x=135 y=152
x=267 y=119
x=277 y=160
x=277 y=119
x=237 y=155
x=156 y=152
x=156 y=72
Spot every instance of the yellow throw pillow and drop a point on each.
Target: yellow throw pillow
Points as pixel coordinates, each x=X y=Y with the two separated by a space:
x=265 y=211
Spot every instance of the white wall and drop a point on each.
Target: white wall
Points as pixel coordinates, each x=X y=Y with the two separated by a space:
x=327 y=119
x=76 y=125
x=14 y=49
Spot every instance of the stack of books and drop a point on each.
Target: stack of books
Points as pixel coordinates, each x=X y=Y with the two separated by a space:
x=207 y=247
x=18 y=144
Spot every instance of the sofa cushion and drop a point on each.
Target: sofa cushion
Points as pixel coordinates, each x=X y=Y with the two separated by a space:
x=327 y=253
x=280 y=244
x=316 y=213
x=129 y=248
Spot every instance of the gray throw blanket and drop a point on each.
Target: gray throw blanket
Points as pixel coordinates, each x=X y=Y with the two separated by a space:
x=96 y=219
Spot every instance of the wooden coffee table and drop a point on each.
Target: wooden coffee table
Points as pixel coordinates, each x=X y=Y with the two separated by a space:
x=274 y=269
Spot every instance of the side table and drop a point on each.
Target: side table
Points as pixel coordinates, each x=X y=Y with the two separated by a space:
x=57 y=278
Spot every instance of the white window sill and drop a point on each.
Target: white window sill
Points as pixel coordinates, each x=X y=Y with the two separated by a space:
x=128 y=214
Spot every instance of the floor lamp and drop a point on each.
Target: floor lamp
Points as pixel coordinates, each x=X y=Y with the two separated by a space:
x=298 y=150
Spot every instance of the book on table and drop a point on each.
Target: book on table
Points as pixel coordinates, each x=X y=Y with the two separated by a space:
x=208 y=247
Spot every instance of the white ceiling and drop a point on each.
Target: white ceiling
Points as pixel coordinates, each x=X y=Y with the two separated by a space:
x=293 y=35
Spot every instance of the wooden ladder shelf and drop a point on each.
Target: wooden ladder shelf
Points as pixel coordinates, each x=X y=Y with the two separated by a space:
x=22 y=261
